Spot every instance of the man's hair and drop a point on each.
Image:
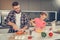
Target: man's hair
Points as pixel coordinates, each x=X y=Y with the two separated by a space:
x=15 y=3
x=43 y=13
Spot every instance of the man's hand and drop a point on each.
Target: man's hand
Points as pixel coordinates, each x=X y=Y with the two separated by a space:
x=23 y=29
x=20 y=30
x=10 y=23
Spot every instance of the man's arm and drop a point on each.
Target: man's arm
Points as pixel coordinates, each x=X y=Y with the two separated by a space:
x=26 y=22
x=13 y=25
x=8 y=21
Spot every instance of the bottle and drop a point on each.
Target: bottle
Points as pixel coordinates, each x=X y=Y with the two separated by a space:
x=53 y=25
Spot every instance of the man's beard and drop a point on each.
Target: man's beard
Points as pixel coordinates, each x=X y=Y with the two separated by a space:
x=18 y=12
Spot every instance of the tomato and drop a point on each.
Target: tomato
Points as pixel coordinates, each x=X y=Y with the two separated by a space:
x=29 y=37
x=50 y=34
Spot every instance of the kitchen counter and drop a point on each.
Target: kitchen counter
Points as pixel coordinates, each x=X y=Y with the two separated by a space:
x=12 y=36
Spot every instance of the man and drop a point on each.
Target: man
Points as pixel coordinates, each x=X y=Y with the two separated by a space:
x=17 y=20
x=39 y=23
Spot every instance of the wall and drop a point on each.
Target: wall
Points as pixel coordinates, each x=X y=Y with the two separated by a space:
x=5 y=4
x=27 y=5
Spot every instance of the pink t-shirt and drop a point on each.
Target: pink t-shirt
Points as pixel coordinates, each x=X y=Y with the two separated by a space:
x=39 y=23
